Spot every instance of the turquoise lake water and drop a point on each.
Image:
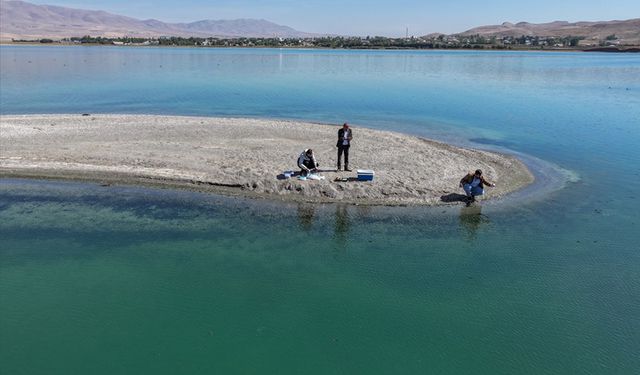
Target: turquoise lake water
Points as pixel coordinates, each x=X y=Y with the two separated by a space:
x=109 y=280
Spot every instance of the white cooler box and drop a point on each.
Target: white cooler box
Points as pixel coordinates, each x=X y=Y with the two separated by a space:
x=365 y=174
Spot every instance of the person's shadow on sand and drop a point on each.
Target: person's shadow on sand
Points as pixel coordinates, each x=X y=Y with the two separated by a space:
x=454 y=197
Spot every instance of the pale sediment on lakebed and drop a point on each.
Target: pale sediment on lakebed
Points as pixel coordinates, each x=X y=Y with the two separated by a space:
x=242 y=156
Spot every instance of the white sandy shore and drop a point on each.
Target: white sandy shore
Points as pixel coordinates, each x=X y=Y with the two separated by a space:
x=245 y=157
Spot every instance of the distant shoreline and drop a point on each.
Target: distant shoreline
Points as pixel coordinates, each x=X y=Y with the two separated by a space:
x=246 y=157
x=630 y=49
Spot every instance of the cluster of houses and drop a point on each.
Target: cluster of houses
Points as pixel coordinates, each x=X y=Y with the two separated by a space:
x=429 y=41
x=145 y=43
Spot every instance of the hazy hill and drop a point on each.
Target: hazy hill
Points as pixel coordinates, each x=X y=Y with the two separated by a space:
x=627 y=32
x=22 y=20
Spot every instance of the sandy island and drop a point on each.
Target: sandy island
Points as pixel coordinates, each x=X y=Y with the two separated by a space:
x=245 y=157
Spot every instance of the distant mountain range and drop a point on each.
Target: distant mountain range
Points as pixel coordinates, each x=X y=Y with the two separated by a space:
x=22 y=20
x=626 y=32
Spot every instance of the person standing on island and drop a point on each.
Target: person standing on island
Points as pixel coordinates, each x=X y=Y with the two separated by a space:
x=307 y=162
x=473 y=184
x=345 y=134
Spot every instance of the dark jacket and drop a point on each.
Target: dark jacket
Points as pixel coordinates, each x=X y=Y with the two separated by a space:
x=341 y=138
x=469 y=179
x=304 y=161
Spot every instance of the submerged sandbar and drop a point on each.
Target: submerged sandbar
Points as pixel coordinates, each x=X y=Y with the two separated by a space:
x=242 y=156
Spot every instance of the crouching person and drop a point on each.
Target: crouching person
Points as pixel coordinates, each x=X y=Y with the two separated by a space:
x=307 y=162
x=473 y=184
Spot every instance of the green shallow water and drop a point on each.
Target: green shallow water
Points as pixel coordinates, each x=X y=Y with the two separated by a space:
x=135 y=281
x=127 y=280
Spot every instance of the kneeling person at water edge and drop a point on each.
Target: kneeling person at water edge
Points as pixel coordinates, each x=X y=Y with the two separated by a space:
x=307 y=162
x=473 y=184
